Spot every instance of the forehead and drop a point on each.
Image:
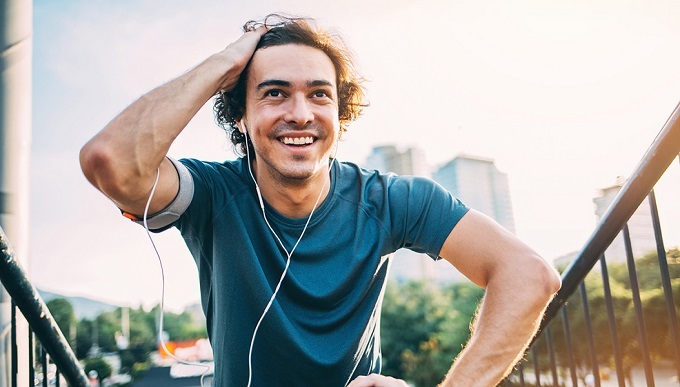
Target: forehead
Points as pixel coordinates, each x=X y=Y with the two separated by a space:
x=293 y=63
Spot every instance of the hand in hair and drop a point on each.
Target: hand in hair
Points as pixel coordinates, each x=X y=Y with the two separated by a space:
x=238 y=54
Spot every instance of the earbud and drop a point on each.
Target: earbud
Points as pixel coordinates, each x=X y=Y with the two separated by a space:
x=242 y=128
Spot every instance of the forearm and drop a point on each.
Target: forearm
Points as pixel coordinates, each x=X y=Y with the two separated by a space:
x=506 y=322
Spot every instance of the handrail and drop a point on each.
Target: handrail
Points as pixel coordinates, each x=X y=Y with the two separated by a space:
x=649 y=170
x=37 y=314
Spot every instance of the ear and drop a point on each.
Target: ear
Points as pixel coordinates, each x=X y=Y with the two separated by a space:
x=241 y=125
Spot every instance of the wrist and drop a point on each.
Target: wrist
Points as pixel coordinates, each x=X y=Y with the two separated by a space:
x=227 y=67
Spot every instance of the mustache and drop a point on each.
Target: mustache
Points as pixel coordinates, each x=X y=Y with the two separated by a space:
x=285 y=128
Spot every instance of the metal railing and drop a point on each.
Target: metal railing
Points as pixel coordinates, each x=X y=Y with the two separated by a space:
x=53 y=346
x=559 y=358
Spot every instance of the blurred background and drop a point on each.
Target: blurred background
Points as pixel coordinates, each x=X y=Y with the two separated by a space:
x=561 y=98
x=535 y=113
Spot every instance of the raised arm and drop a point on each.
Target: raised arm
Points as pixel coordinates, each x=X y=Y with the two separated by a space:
x=122 y=159
x=519 y=284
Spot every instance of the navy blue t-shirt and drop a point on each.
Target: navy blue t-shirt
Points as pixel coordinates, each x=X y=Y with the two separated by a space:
x=324 y=325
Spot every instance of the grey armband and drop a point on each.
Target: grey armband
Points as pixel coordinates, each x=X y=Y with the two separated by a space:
x=174 y=210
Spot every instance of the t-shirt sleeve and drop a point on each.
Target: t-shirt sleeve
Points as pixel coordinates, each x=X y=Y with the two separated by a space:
x=423 y=214
x=165 y=218
x=198 y=212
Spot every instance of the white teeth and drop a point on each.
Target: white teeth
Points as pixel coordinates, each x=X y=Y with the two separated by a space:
x=297 y=140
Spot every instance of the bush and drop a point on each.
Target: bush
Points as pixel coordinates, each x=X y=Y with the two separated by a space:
x=139 y=369
x=100 y=365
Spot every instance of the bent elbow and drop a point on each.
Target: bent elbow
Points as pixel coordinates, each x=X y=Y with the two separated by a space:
x=99 y=165
x=94 y=161
x=547 y=278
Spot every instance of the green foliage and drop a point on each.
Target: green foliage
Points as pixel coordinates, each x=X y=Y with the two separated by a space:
x=424 y=327
x=654 y=308
x=139 y=369
x=62 y=311
x=83 y=338
x=100 y=365
x=143 y=333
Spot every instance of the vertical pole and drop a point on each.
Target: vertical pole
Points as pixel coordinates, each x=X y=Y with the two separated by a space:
x=537 y=370
x=43 y=361
x=13 y=340
x=551 y=355
x=125 y=322
x=570 y=350
x=637 y=303
x=618 y=359
x=589 y=331
x=666 y=281
x=31 y=362
x=16 y=18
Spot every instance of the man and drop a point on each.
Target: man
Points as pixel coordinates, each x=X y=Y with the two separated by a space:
x=293 y=247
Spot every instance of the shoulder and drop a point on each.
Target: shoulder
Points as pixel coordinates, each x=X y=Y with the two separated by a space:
x=212 y=166
x=377 y=189
x=211 y=172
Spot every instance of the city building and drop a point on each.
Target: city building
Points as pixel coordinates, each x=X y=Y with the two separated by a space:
x=479 y=184
x=639 y=226
x=389 y=158
x=406 y=264
x=476 y=181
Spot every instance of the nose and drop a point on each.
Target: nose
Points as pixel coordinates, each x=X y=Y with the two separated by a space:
x=299 y=111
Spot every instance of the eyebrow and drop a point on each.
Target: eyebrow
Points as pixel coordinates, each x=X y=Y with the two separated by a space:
x=279 y=82
x=273 y=82
x=319 y=83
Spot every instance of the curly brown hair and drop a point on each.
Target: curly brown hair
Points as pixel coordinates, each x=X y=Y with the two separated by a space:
x=229 y=107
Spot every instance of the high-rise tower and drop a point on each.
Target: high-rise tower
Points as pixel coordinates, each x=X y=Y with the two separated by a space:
x=479 y=184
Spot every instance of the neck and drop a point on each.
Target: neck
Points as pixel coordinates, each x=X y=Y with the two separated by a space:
x=294 y=198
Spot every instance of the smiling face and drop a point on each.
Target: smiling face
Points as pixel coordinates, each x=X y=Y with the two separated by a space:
x=292 y=113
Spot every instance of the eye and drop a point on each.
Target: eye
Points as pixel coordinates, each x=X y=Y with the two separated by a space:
x=273 y=93
x=321 y=94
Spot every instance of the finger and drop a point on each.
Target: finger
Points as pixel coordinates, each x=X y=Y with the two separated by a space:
x=377 y=380
x=361 y=381
x=261 y=30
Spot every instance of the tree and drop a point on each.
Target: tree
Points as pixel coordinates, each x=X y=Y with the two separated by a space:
x=654 y=312
x=100 y=365
x=410 y=314
x=83 y=338
x=424 y=327
x=62 y=311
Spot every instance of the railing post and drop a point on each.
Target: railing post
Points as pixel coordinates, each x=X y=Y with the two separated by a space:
x=537 y=370
x=44 y=366
x=618 y=359
x=15 y=358
x=637 y=303
x=38 y=315
x=589 y=331
x=666 y=282
x=570 y=351
x=31 y=351
x=551 y=356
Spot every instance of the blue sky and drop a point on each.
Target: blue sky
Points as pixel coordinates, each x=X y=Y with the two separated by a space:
x=565 y=98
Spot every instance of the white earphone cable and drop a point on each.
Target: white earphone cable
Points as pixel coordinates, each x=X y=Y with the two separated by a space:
x=288 y=254
x=160 y=263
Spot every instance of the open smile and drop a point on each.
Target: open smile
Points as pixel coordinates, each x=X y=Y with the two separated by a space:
x=299 y=141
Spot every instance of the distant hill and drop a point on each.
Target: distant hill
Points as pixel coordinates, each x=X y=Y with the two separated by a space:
x=82 y=307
